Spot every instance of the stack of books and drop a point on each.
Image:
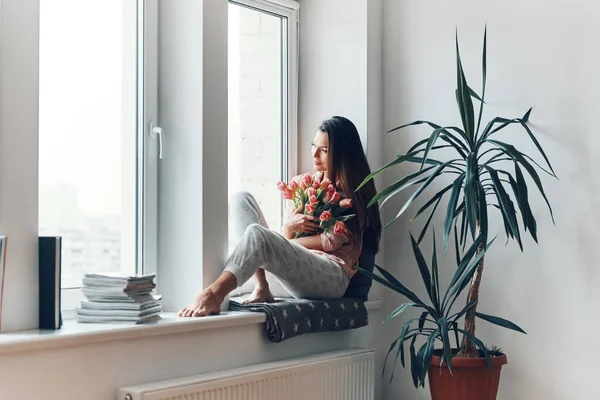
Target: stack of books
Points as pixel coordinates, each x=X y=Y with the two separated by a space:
x=114 y=298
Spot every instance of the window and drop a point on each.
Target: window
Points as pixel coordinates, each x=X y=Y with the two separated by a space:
x=261 y=134
x=93 y=162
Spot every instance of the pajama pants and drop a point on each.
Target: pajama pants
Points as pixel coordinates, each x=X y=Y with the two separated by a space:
x=303 y=273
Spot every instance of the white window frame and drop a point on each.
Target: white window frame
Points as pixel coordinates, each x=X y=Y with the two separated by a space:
x=148 y=96
x=148 y=150
x=289 y=10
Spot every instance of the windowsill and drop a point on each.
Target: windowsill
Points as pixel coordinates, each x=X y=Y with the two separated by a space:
x=75 y=334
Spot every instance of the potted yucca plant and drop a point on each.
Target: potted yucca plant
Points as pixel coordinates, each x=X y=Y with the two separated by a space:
x=487 y=174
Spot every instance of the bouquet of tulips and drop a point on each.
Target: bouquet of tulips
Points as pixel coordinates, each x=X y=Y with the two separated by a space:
x=318 y=197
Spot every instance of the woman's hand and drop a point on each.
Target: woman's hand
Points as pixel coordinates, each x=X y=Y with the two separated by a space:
x=302 y=223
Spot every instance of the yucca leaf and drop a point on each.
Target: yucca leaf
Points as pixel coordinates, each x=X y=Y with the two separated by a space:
x=500 y=322
x=468 y=274
x=505 y=204
x=465 y=104
x=520 y=192
x=464 y=262
x=489 y=129
x=454 y=329
x=481 y=346
x=539 y=166
x=470 y=193
x=523 y=123
x=392 y=283
x=394 y=186
x=435 y=280
x=446 y=346
x=427 y=355
x=456 y=249
x=483 y=213
x=400 y=189
x=432 y=200
x=434 y=126
x=400 y=159
x=420 y=360
x=398 y=311
x=457 y=144
x=419 y=160
x=400 y=350
x=463 y=230
x=420 y=190
x=432 y=139
x=462 y=312
x=396 y=288
x=519 y=157
x=417 y=145
x=428 y=221
x=414 y=365
x=388 y=354
x=528 y=218
x=484 y=74
x=474 y=94
x=422 y=319
x=411 y=296
x=424 y=270
x=451 y=209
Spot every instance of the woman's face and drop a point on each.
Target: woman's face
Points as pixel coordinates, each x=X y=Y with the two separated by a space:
x=320 y=148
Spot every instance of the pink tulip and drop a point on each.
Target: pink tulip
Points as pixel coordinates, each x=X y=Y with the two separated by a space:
x=339 y=228
x=335 y=197
x=346 y=203
x=281 y=186
x=311 y=192
x=330 y=188
x=294 y=185
x=325 y=216
x=309 y=208
x=307 y=180
x=325 y=183
x=316 y=184
x=313 y=200
x=288 y=194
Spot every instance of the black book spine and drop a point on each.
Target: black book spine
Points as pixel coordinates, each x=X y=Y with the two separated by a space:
x=49 y=282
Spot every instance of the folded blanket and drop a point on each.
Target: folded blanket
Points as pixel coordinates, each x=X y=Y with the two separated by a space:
x=287 y=318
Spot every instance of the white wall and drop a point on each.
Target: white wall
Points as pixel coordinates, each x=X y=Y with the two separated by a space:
x=541 y=53
x=333 y=68
x=19 y=88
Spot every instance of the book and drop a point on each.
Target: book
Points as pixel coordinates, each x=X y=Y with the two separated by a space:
x=113 y=319
x=120 y=305
x=49 y=264
x=3 y=241
x=116 y=298
x=121 y=313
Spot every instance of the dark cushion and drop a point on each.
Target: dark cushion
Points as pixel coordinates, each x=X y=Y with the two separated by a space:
x=360 y=284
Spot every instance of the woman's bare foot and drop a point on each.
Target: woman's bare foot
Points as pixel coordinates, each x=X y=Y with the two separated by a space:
x=206 y=303
x=260 y=294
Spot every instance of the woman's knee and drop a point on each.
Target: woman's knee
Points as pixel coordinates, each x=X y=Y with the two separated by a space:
x=257 y=230
x=242 y=200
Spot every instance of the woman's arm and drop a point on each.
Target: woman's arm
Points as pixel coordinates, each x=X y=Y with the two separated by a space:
x=313 y=242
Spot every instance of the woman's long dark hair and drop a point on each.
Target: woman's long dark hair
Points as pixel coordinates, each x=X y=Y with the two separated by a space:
x=348 y=167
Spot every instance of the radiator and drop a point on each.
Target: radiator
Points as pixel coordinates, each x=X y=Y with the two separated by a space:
x=339 y=375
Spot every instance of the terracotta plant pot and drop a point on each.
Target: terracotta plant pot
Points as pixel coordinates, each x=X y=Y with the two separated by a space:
x=470 y=380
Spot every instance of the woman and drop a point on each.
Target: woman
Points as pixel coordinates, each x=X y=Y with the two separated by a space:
x=318 y=266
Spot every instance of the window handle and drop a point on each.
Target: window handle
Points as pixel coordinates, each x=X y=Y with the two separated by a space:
x=157 y=132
